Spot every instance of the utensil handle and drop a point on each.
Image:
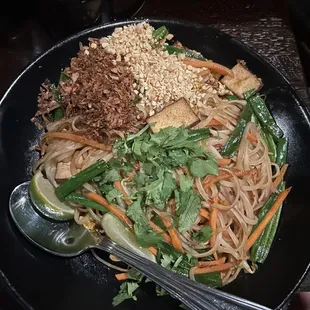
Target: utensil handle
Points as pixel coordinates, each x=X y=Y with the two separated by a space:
x=194 y=295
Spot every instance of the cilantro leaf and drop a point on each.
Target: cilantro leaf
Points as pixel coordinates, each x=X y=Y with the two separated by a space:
x=203 y=235
x=188 y=209
x=145 y=236
x=199 y=167
x=126 y=292
x=166 y=260
x=186 y=183
x=112 y=194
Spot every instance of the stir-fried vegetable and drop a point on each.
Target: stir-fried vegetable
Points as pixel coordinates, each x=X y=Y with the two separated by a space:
x=75 y=182
x=261 y=111
x=160 y=33
x=84 y=201
x=175 y=50
x=233 y=142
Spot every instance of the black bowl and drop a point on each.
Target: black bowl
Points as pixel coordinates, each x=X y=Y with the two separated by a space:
x=43 y=281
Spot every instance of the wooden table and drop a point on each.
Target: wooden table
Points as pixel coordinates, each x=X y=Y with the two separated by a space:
x=262 y=24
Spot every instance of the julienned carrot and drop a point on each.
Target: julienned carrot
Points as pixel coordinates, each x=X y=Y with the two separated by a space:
x=77 y=138
x=212 y=262
x=122 y=276
x=213 y=66
x=213 y=219
x=156 y=228
x=280 y=177
x=225 y=175
x=215 y=122
x=118 y=186
x=153 y=250
x=262 y=225
x=112 y=208
x=251 y=137
x=175 y=240
x=223 y=161
x=204 y=213
x=215 y=268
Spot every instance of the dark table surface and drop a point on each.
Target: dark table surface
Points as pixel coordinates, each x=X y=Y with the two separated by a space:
x=262 y=24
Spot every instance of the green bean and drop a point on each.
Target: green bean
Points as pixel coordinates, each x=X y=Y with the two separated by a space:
x=76 y=181
x=199 y=134
x=282 y=151
x=233 y=142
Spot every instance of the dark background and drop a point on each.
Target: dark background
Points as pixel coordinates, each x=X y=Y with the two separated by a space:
x=29 y=28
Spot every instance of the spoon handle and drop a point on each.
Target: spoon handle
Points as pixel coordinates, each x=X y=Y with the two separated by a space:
x=194 y=295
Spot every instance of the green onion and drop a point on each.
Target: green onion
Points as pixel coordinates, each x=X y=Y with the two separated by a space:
x=160 y=33
x=198 y=134
x=84 y=201
x=272 y=148
x=232 y=97
x=176 y=50
x=79 y=179
x=282 y=151
x=261 y=111
x=233 y=142
x=212 y=279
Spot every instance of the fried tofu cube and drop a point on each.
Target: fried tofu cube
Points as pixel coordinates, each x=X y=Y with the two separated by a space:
x=63 y=171
x=242 y=81
x=176 y=114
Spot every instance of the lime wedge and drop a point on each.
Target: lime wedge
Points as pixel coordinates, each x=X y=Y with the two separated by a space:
x=44 y=199
x=121 y=235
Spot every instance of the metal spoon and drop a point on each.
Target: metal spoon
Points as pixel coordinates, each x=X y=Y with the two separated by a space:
x=69 y=239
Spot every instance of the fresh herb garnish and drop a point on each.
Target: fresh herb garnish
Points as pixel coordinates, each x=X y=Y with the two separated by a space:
x=126 y=292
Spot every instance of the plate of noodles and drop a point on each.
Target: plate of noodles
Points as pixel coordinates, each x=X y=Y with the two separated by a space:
x=174 y=140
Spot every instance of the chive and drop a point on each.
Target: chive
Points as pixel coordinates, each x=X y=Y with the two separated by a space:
x=233 y=142
x=79 y=179
x=198 y=134
x=84 y=201
x=160 y=33
x=175 y=50
x=260 y=109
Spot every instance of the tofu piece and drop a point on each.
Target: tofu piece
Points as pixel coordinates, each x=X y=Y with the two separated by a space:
x=176 y=114
x=242 y=81
x=63 y=171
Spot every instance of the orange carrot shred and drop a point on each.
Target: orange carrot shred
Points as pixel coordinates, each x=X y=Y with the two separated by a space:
x=262 y=225
x=112 y=208
x=211 y=263
x=213 y=66
x=122 y=276
x=215 y=122
x=251 y=137
x=215 y=268
x=223 y=161
x=156 y=228
x=175 y=240
x=77 y=138
x=118 y=186
x=153 y=250
x=204 y=213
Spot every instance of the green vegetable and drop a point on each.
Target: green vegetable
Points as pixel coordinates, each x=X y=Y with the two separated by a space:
x=63 y=77
x=175 y=50
x=248 y=94
x=232 y=97
x=212 y=279
x=282 y=151
x=126 y=292
x=261 y=111
x=84 y=201
x=233 y=141
x=160 y=33
x=188 y=206
x=186 y=183
x=199 y=167
x=262 y=245
x=272 y=148
x=58 y=113
x=136 y=99
x=199 y=134
x=203 y=235
x=79 y=179
x=56 y=93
